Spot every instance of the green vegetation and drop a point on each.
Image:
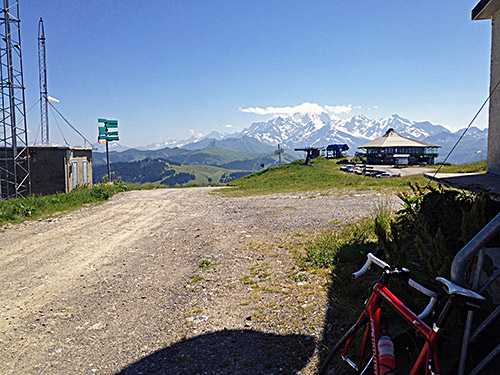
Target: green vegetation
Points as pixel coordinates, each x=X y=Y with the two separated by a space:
x=342 y=245
x=322 y=174
x=174 y=166
x=16 y=210
x=195 y=278
x=204 y=264
x=425 y=236
x=477 y=167
x=434 y=225
x=162 y=172
x=325 y=175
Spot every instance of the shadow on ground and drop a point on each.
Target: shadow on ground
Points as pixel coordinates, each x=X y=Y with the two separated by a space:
x=229 y=352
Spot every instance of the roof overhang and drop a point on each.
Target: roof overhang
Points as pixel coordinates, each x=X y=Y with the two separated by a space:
x=402 y=146
x=485 y=9
x=478 y=182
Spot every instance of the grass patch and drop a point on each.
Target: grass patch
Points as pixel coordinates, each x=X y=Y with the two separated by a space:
x=204 y=264
x=16 y=210
x=344 y=244
x=325 y=175
x=195 y=278
x=321 y=175
x=477 y=167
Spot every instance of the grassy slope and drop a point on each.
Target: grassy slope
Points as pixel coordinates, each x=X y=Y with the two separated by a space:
x=321 y=175
x=203 y=173
x=324 y=175
x=16 y=210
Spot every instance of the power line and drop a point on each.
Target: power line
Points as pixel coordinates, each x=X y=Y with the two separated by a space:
x=465 y=131
x=69 y=124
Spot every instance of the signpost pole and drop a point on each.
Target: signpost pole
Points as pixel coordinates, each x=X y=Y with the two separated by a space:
x=106 y=135
x=107 y=157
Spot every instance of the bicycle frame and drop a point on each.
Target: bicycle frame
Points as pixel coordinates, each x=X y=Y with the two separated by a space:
x=428 y=354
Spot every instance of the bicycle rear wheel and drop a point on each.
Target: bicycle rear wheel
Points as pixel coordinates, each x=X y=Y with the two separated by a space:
x=348 y=361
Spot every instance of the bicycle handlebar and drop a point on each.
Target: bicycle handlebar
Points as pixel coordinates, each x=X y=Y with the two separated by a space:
x=373 y=259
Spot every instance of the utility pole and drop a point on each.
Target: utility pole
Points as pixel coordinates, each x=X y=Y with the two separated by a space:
x=42 y=65
x=14 y=153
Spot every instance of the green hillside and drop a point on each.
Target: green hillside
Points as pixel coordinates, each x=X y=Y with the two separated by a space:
x=221 y=157
x=321 y=175
x=162 y=172
x=130 y=155
x=325 y=175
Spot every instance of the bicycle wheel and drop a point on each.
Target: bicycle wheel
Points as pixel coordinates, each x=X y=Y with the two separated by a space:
x=336 y=363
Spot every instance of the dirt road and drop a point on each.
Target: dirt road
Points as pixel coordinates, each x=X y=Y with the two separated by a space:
x=176 y=281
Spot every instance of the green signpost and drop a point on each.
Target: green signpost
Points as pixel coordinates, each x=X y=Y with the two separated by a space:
x=107 y=133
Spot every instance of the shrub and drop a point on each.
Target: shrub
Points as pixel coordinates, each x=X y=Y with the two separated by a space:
x=433 y=226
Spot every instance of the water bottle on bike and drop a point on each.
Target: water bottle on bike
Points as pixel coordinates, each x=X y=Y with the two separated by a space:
x=387 y=361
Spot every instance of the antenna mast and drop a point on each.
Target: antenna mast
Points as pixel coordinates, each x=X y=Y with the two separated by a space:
x=14 y=156
x=42 y=65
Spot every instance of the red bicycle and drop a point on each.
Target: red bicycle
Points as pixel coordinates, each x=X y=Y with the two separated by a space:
x=351 y=352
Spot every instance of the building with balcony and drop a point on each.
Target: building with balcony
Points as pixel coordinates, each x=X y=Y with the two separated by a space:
x=394 y=149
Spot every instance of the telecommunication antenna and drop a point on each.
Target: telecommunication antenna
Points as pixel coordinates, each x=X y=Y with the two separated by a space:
x=42 y=65
x=14 y=156
x=278 y=152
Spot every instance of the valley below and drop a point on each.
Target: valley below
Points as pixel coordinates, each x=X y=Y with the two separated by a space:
x=174 y=281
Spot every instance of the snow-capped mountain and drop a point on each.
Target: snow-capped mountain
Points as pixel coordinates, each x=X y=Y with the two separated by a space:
x=319 y=130
x=313 y=129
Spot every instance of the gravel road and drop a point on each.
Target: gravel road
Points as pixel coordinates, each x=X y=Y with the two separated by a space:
x=174 y=281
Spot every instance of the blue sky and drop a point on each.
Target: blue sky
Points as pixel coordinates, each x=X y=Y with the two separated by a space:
x=166 y=69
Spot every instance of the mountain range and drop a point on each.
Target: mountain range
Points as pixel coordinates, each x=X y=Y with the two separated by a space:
x=314 y=129
x=310 y=129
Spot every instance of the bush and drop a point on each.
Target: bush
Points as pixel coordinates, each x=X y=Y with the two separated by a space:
x=433 y=226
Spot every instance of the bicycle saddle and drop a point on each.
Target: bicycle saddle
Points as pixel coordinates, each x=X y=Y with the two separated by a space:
x=452 y=288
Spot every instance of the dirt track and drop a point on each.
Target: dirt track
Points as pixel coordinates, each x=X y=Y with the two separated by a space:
x=119 y=288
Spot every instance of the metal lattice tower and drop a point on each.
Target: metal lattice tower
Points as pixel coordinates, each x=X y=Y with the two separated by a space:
x=14 y=156
x=42 y=64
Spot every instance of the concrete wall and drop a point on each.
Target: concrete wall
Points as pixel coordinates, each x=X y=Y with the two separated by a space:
x=52 y=171
x=493 y=163
x=47 y=170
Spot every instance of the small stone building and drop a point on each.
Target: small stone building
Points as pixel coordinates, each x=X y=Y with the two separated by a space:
x=393 y=148
x=59 y=169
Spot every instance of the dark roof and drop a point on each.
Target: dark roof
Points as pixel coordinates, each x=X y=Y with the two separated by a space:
x=485 y=9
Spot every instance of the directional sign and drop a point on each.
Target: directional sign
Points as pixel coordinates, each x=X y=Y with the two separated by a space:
x=108 y=132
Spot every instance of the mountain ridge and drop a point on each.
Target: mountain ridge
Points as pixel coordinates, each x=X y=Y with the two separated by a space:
x=319 y=130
